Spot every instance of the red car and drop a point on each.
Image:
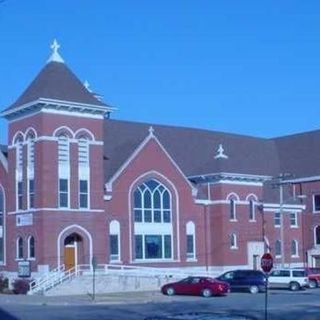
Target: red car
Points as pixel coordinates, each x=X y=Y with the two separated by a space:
x=204 y=286
x=313 y=277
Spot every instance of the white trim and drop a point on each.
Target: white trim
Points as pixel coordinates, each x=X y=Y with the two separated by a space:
x=315 y=235
x=304 y=179
x=114 y=229
x=134 y=155
x=15 y=137
x=17 y=248
x=232 y=194
x=234 y=175
x=76 y=226
x=28 y=245
x=251 y=195
x=84 y=131
x=296 y=243
x=154 y=174
x=191 y=231
x=234 y=238
x=63 y=129
x=62 y=210
x=240 y=183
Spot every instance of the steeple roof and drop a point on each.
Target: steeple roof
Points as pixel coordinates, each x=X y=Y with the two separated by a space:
x=58 y=83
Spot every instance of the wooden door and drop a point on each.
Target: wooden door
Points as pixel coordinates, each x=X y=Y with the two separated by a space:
x=69 y=257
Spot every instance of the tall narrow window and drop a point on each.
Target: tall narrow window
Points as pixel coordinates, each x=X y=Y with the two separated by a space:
x=31 y=193
x=191 y=254
x=317 y=236
x=294 y=248
x=63 y=193
x=252 y=213
x=31 y=248
x=19 y=248
x=83 y=194
x=114 y=241
x=293 y=219
x=20 y=195
x=233 y=215
x=278 y=248
x=63 y=150
x=30 y=170
x=233 y=241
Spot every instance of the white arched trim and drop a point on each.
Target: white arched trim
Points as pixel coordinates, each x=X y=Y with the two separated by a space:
x=63 y=130
x=315 y=234
x=190 y=227
x=31 y=132
x=85 y=132
x=251 y=196
x=233 y=195
x=114 y=227
x=29 y=247
x=64 y=231
x=153 y=175
x=18 y=135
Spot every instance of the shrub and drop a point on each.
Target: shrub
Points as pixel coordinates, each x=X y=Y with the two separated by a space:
x=4 y=283
x=20 y=286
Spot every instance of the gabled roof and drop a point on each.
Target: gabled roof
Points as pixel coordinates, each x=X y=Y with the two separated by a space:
x=56 y=82
x=193 y=150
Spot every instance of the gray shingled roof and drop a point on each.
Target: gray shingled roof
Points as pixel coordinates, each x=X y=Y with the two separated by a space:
x=299 y=153
x=192 y=149
x=56 y=81
x=4 y=149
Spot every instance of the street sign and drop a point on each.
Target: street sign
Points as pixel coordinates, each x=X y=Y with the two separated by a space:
x=266 y=262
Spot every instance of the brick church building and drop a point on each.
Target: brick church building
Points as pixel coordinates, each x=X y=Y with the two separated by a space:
x=76 y=185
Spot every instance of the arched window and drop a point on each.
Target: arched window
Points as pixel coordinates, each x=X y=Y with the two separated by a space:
x=278 y=248
x=153 y=221
x=191 y=241
x=317 y=235
x=252 y=210
x=83 y=150
x=64 y=170
x=19 y=248
x=114 y=241
x=19 y=153
x=294 y=248
x=31 y=248
x=233 y=241
x=30 y=149
x=63 y=149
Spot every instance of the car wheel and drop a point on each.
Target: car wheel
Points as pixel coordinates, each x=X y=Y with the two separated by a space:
x=294 y=286
x=253 y=289
x=313 y=284
x=170 y=291
x=206 y=293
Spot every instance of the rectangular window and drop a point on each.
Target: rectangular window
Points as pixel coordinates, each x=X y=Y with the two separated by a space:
x=277 y=219
x=190 y=246
x=63 y=193
x=166 y=216
x=20 y=195
x=31 y=193
x=153 y=247
x=293 y=219
x=138 y=246
x=114 y=247
x=316 y=203
x=83 y=196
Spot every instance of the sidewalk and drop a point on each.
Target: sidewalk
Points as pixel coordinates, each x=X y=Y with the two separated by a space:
x=112 y=298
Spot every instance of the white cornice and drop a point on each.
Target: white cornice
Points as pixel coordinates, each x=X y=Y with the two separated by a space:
x=227 y=176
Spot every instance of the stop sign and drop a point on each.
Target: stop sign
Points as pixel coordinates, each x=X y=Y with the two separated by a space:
x=266 y=262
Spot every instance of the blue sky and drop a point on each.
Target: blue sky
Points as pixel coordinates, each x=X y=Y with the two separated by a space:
x=248 y=67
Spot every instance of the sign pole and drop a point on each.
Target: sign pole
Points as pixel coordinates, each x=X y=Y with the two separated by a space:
x=266 y=266
x=94 y=266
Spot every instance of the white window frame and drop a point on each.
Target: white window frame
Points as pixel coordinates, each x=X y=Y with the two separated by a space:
x=295 y=224
x=233 y=241
x=29 y=248
x=277 y=255
x=314 y=203
x=190 y=231
x=252 y=210
x=296 y=244
x=233 y=210
x=315 y=235
x=114 y=230
x=17 y=249
x=277 y=218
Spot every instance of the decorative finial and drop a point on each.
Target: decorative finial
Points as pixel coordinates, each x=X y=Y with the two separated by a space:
x=220 y=153
x=151 y=131
x=55 y=56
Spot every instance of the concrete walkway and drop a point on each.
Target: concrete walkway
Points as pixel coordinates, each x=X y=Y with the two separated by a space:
x=112 y=298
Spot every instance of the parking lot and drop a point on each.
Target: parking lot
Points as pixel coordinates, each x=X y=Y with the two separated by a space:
x=283 y=304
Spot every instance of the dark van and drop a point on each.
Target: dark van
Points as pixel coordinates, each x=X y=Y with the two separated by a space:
x=245 y=280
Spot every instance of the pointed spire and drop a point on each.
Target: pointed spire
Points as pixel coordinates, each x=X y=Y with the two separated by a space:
x=151 y=131
x=220 y=153
x=87 y=85
x=55 y=56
